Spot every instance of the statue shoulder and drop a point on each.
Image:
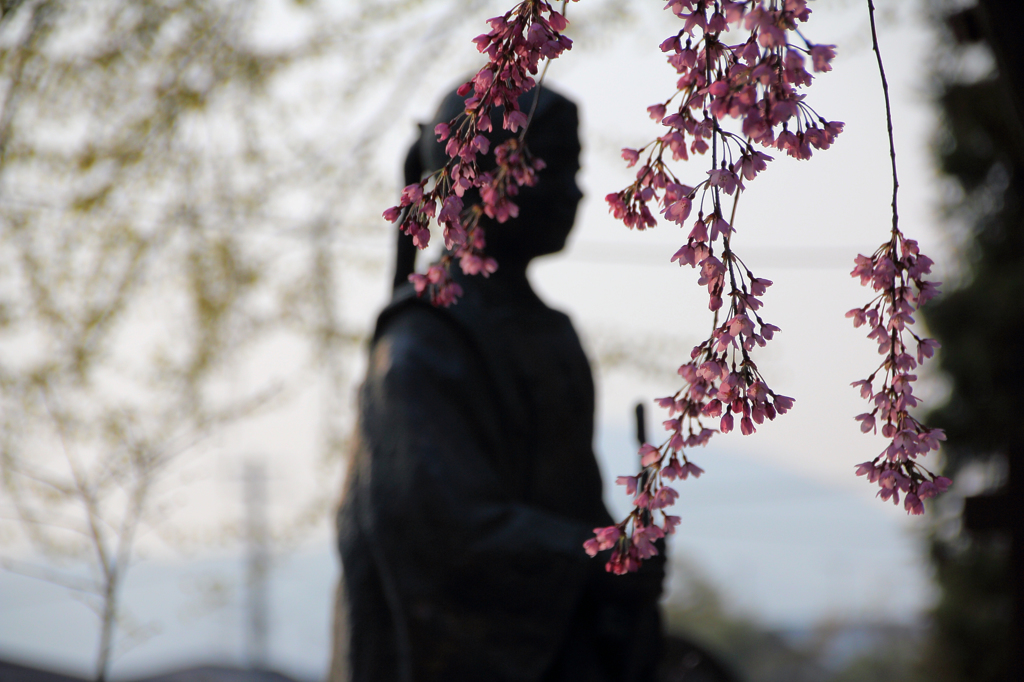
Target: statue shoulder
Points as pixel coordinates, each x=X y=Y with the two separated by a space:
x=413 y=336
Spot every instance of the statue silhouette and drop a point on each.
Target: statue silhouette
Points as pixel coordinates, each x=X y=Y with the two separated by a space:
x=473 y=484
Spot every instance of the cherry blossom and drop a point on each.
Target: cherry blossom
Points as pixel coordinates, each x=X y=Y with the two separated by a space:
x=517 y=41
x=741 y=67
x=896 y=272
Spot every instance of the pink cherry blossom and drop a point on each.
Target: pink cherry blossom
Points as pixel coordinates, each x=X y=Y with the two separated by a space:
x=514 y=46
x=822 y=56
x=895 y=271
x=665 y=497
x=649 y=454
x=644 y=538
x=724 y=178
x=867 y=421
x=691 y=469
x=741 y=72
x=606 y=538
x=678 y=211
x=913 y=504
x=623 y=561
x=629 y=482
x=657 y=112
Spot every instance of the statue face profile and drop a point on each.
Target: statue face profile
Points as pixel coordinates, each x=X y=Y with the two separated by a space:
x=547 y=211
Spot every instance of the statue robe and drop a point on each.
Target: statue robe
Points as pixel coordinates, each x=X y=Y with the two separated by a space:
x=471 y=491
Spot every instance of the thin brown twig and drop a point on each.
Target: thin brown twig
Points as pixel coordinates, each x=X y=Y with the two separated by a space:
x=888 y=115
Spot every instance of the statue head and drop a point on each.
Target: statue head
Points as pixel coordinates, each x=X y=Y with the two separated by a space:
x=547 y=210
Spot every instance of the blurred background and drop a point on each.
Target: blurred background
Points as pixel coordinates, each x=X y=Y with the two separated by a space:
x=192 y=256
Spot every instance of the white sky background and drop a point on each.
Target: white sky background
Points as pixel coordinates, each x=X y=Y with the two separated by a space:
x=779 y=522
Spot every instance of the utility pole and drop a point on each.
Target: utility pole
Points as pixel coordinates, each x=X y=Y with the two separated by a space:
x=257 y=564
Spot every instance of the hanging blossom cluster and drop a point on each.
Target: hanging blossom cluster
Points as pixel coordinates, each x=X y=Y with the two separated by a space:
x=736 y=61
x=516 y=43
x=896 y=270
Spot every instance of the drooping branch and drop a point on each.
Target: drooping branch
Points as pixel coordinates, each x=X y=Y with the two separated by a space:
x=895 y=270
x=756 y=79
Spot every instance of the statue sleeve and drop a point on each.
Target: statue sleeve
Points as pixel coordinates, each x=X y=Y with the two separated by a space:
x=480 y=584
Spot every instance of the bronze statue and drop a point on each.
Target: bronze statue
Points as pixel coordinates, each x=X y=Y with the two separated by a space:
x=474 y=484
